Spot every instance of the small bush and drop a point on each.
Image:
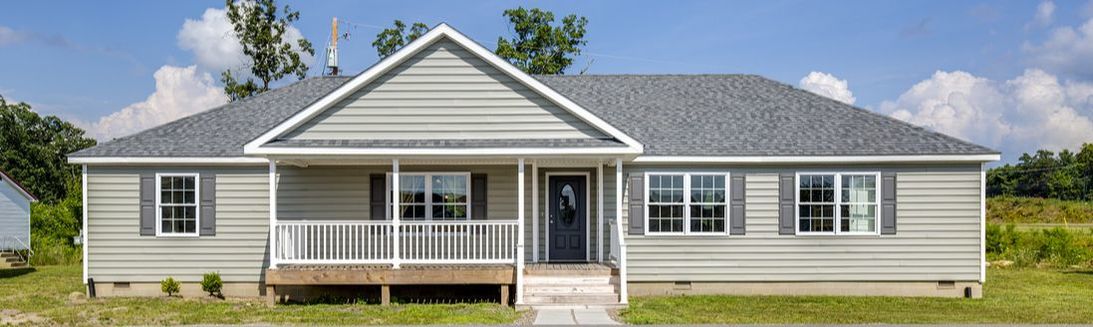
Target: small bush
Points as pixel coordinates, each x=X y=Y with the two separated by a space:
x=170 y=286
x=212 y=284
x=1056 y=247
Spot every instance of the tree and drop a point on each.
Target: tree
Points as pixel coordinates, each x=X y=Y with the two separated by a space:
x=539 y=47
x=34 y=150
x=261 y=32
x=391 y=39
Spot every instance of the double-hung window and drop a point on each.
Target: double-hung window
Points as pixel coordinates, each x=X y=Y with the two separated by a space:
x=434 y=196
x=837 y=203
x=176 y=204
x=687 y=203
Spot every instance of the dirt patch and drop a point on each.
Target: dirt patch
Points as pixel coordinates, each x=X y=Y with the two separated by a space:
x=527 y=319
x=14 y=317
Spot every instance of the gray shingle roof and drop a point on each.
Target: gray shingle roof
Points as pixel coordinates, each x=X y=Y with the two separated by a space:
x=219 y=132
x=672 y=115
x=744 y=115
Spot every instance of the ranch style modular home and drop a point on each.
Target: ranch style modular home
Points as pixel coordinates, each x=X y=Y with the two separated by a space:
x=14 y=222
x=443 y=164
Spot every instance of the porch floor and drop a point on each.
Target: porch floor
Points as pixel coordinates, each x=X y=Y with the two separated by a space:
x=578 y=268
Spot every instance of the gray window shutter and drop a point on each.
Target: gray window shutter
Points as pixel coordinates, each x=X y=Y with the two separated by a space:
x=637 y=205
x=378 y=201
x=888 y=203
x=736 y=214
x=208 y=204
x=786 y=201
x=148 y=204
x=478 y=196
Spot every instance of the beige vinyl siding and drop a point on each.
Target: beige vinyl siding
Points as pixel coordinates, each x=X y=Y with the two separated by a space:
x=444 y=92
x=938 y=236
x=117 y=252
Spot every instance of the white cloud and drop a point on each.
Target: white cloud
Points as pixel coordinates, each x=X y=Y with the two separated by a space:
x=1045 y=13
x=1029 y=112
x=1067 y=50
x=827 y=85
x=9 y=36
x=180 y=92
x=214 y=44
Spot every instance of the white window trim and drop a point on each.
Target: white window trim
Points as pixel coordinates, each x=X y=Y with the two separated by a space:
x=687 y=203
x=197 y=205
x=429 y=193
x=838 y=203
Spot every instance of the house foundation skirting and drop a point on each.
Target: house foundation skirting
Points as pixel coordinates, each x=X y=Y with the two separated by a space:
x=933 y=289
x=188 y=289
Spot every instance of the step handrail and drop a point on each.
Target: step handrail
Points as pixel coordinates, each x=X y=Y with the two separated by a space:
x=29 y=251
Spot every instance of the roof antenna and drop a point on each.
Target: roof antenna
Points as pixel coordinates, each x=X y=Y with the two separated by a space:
x=332 y=49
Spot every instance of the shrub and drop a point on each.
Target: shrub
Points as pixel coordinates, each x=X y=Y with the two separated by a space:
x=212 y=284
x=1056 y=247
x=170 y=286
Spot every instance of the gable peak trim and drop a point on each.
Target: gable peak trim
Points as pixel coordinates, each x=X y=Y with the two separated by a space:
x=442 y=30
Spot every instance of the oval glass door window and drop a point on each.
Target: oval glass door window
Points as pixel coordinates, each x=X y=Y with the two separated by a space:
x=567 y=205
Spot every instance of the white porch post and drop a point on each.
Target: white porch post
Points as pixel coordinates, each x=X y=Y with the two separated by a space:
x=620 y=234
x=599 y=212
x=274 y=258
x=520 y=232
x=534 y=211
x=395 y=213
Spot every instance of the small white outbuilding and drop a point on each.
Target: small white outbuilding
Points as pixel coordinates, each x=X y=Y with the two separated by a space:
x=14 y=214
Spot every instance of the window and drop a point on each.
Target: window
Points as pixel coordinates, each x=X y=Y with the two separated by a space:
x=837 y=203
x=434 y=196
x=684 y=203
x=176 y=204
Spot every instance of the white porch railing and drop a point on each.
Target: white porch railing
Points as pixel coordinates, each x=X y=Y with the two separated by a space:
x=458 y=242
x=373 y=242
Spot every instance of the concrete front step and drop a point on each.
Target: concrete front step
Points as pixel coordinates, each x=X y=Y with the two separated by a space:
x=569 y=280
x=569 y=289
x=572 y=299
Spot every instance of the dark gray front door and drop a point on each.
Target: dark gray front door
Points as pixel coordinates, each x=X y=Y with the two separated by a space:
x=567 y=218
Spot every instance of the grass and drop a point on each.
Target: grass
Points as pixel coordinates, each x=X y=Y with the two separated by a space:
x=46 y=296
x=1010 y=296
x=1037 y=212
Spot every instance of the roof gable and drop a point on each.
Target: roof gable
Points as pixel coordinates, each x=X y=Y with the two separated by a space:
x=420 y=93
x=6 y=179
x=444 y=92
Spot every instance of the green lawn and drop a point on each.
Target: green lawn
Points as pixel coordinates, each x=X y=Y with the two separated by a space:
x=1011 y=296
x=43 y=297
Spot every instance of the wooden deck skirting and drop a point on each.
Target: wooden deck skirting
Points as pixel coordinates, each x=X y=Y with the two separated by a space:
x=385 y=276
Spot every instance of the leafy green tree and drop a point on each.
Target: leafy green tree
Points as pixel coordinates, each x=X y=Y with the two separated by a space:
x=34 y=149
x=261 y=32
x=391 y=39
x=1044 y=174
x=540 y=47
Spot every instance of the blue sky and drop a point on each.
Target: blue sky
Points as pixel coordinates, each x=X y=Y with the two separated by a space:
x=962 y=67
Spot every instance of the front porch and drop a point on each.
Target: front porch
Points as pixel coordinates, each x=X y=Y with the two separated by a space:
x=333 y=223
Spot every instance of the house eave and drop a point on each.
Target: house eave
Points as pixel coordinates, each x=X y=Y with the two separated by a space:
x=944 y=158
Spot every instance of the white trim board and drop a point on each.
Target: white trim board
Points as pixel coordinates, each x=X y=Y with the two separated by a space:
x=169 y=160
x=440 y=31
x=819 y=159
x=587 y=212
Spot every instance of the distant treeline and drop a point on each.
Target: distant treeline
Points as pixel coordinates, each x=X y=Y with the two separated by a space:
x=1045 y=174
